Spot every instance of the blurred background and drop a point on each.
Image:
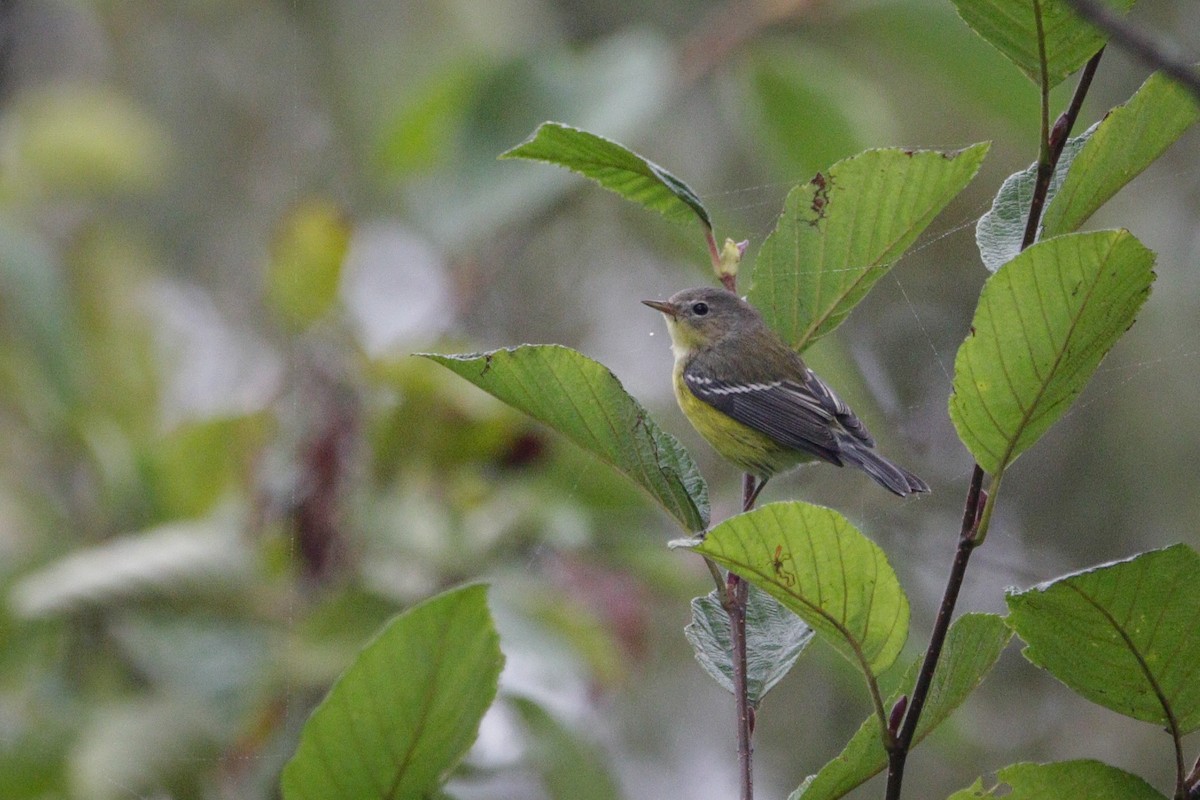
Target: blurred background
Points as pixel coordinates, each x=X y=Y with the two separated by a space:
x=225 y=225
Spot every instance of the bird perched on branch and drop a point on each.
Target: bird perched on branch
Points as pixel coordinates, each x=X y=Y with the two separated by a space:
x=756 y=401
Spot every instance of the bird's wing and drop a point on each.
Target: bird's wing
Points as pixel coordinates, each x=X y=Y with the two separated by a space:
x=834 y=405
x=788 y=411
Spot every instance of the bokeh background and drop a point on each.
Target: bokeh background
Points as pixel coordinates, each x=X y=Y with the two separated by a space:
x=225 y=225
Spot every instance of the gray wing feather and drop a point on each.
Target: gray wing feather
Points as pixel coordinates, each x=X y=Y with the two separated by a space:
x=807 y=416
x=834 y=405
x=786 y=411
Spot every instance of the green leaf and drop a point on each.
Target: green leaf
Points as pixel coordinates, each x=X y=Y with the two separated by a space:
x=405 y=712
x=972 y=792
x=1011 y=26
x=214 y=660
x=76 y=138
x=35 y=749
x=842 y=231
x=775 y=638
x=1122 y=635
x=306 y=263
x=614 y=167
x=422 y=133
x=955 y=60
x=973 y=644
x=807 y=114
x=157 y=743
x=191 y=467
x=585 y=402
x=207 y=558
x=38 y=313
x=1113 y=151
x=1064 y=780
x=1000 y=232
x=617 y=83
x=1044 y=322
x=1119 y=147
x=571 y=767
x=813 y=561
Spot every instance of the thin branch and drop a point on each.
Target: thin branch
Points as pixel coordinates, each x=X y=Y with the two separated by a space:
x=1055 y=139
x=735 y=598
x=898 y=754
x=1065 y=122
x=985 y=512
x=977 y=509
x=1138 y=43
x=736 y=609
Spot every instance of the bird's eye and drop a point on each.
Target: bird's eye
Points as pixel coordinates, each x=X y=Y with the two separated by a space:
x=699 y=309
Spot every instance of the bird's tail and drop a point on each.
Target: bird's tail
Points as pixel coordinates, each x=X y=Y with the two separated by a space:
x=891 y=476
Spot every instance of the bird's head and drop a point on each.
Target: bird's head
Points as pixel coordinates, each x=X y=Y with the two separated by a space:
x=698 y=318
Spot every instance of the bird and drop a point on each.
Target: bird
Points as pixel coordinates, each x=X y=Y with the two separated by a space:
x=755 y=400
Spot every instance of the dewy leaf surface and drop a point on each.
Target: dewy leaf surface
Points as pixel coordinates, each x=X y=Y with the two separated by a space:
x=814 y=562
x=585 y=402
x=1119 y=147
x=1123 y=635
x=1011 y=26
x=841 y=232
x=972 y=646
x=614 y=167
x=775 y=638
x=1044 y=322
x=404 y=713
x=1063 y=780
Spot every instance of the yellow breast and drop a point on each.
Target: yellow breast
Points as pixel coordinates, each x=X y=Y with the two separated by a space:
x=750 y=450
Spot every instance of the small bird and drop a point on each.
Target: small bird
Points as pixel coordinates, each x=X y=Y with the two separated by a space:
x=756 y=401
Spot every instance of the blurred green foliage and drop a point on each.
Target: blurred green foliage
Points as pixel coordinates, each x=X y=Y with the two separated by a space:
x=224 y=226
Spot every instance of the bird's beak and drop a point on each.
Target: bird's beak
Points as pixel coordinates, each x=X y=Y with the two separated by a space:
x=667 y=308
